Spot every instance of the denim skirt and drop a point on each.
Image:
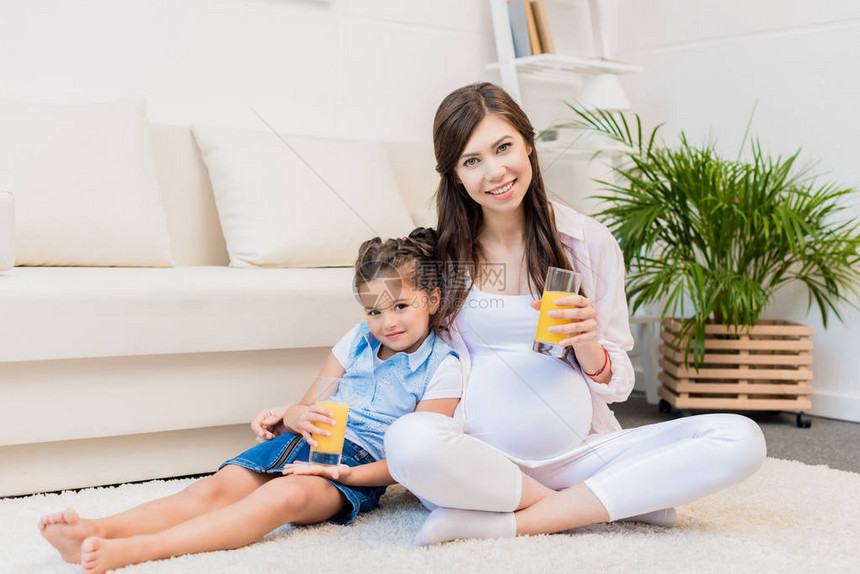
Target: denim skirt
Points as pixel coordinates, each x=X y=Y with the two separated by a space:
x=271 y=456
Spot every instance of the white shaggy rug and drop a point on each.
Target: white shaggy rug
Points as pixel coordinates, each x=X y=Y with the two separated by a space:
x=788 y=517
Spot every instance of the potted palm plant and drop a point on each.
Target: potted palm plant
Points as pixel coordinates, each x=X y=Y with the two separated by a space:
x=709 y=240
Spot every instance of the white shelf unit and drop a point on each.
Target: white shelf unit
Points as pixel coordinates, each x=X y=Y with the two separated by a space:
x=559 y=68
x=562 y=66
x=550 y=67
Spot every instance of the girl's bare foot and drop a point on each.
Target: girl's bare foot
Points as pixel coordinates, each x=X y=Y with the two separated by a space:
x=66 y=531
x=98 y=555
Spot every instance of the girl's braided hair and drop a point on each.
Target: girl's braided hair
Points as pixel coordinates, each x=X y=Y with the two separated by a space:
x=412 y=259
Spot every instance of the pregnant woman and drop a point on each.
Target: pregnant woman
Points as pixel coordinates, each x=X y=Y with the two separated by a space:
x=533 y=447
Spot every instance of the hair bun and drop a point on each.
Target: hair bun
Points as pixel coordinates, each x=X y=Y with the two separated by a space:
x=426 y=235
x=369 y=247
x=425 y=239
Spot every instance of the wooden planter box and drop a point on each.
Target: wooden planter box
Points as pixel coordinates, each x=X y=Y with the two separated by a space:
x=766 y=369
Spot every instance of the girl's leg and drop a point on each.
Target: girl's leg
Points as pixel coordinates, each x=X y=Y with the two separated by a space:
x=611 y=477
x=294 y=499
x=226 y=486
x=66 y=531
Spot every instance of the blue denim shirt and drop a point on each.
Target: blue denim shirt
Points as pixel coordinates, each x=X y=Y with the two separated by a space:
x=378 y=397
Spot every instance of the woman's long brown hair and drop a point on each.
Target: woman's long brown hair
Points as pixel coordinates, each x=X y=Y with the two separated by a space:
x=460 y=218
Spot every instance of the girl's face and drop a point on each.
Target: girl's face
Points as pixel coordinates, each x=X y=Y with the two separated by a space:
x=494 y=166
x=397 y=314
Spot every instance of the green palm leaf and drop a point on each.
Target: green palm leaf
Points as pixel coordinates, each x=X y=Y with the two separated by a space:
x=711 y=239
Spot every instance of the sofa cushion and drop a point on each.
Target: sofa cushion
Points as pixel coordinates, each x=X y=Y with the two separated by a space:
x=61 y=313
x=84 y=184
x=288 y=201
x=7 y=231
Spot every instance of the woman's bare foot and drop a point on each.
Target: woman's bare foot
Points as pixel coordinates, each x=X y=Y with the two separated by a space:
x=98 y=555
x=66 y=531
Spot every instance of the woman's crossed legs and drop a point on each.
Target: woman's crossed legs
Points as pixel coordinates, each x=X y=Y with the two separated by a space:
x=230 y=509
x=612 y=476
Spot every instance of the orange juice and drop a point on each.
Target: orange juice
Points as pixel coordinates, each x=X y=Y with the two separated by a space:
x=544 y=321
x=329 y=448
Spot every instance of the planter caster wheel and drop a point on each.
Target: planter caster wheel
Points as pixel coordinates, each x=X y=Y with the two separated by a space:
x=685 y=413
x=664 y=406
x=803 y=420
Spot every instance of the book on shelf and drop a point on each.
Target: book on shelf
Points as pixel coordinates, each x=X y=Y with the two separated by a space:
x=520 y=27
x=529 y=28
x=542 y=24
x=534 y=40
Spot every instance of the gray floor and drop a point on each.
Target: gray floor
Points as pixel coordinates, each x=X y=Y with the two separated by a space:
x=830 y=442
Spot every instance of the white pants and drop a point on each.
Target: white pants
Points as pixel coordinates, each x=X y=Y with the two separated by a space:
x=632 y=471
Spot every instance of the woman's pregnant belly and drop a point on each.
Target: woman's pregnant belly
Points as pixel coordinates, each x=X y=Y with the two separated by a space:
x=530 y=406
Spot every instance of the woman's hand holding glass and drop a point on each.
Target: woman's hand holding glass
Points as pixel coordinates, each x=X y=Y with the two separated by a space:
x=582 y=327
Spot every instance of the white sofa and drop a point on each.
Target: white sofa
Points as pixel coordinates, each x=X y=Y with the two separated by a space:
x=115 y=374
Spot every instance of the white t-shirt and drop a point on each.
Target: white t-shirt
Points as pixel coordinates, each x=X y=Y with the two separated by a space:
x=446 y=382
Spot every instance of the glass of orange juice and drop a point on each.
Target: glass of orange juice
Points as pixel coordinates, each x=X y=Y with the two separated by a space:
x=559 y=283
x=332 y=394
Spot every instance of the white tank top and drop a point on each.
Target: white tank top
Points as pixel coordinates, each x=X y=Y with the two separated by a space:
x=530 y=406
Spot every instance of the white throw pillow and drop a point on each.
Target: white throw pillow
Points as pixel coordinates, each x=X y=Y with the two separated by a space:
x=84 y=184
x=289 y=201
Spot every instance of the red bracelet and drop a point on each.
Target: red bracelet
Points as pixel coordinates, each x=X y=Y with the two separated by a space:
x=603 y=368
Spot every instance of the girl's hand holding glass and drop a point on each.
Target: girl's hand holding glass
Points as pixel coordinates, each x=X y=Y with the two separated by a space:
x=303 y=421
x=582 y=316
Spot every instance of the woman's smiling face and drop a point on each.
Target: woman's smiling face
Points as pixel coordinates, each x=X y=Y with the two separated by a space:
x=494 y=166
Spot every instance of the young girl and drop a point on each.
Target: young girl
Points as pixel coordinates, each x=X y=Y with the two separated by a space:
x=533 y=447
x=392 y=357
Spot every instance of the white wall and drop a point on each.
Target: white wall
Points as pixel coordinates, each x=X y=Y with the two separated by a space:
x=363 y=69
x=706 y=63
x=367 y=69
x=377 y=69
